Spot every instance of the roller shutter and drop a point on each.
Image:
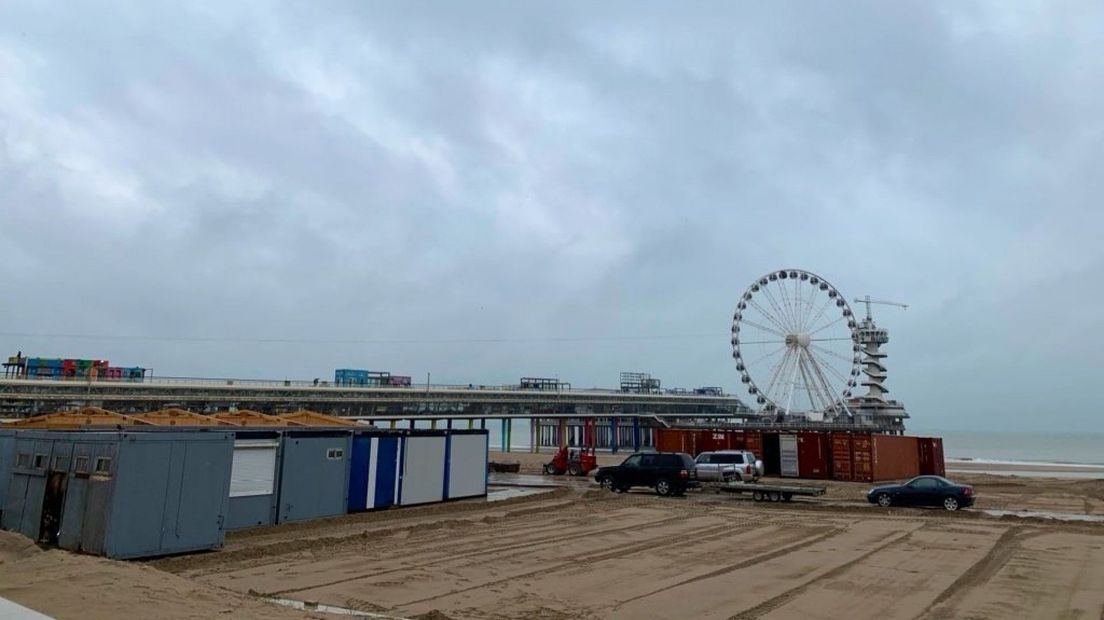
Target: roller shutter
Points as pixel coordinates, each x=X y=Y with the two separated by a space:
x=254 y=469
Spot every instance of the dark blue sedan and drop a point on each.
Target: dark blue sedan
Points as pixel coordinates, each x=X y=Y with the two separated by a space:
x=923 y=491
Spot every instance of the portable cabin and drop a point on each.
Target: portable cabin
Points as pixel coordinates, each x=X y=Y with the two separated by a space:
x=253 y=479
x=314 y=474
x=121 y=494
x=410 y=467
x=7 y=457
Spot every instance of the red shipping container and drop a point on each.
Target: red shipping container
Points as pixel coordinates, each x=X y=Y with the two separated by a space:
x=895 y=457
x=841 y=456
x=753 y=442
x=813 y=455
x=939 y=462
x=931 y=456
x=862 y=458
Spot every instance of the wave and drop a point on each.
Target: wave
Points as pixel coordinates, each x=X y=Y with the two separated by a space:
x=984 y=461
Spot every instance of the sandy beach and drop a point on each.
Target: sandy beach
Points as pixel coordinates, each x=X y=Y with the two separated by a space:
x=579 y=552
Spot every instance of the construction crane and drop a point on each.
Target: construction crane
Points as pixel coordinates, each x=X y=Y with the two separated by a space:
x=867 y=300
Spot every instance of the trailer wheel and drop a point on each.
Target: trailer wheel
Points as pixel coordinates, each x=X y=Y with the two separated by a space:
x=787 y=497
x=757 y=496
x=775 y=496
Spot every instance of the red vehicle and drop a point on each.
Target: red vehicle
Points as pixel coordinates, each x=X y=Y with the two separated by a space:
x=575 y=461
x=578 y=462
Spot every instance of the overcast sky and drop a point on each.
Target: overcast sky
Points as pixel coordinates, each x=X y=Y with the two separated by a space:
x=614 y=176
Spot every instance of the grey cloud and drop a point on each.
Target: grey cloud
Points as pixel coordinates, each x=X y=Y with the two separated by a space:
x=446 y=171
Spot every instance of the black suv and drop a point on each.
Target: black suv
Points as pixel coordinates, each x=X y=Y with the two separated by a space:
x=669 y=473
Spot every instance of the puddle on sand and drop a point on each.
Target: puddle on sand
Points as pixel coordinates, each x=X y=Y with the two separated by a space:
x=1032 y=514
x=499 y=494
x=331 y=609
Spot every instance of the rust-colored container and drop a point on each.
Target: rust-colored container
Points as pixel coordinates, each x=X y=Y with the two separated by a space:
x=931 y=456
x=721 y=439
x=862 y=457
x=813 y=455
x=670 y=440
x=894 y=457
x=753 y=441
x=841 y=456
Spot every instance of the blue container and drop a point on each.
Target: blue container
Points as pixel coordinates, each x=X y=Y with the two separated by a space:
x=374 y=475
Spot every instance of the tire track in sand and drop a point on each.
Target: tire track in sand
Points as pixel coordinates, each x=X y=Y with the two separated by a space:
x=722 y=530
x=771 y=604
x=525 y=545
x=943 y=605
x=745 y=563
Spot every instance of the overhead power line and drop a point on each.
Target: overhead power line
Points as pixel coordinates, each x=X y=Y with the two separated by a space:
x=367 y=341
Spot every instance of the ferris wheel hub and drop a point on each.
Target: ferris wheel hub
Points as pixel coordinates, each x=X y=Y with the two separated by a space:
x=798 y=340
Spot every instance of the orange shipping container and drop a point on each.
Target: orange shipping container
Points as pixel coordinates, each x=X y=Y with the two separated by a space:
x=931 y=456
x=674 y=440
x=841 y=456
x=862 y=458
x=753 y=441
x=813 y=455
x=895 y=457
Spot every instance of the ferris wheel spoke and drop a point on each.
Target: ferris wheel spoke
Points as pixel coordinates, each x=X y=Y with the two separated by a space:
x=768 y=355
x=828 y=339
x=826 y=326
x=833 y=370
x=807 y=384
x=781 y=315
x=832 y=353
x=781 y=342
x=777 y=371
x=823 y=381
x=799 y=304
x=807 y=310
x=806 y=325
x=792 y=384
x=789 y=305
x=770 y=317
x=764 y=328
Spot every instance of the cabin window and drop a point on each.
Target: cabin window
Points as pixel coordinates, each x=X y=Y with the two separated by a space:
x=103 y=465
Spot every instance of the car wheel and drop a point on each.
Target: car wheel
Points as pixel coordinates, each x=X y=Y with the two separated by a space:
x=664 y=487
x=951 y=503
x=575 y=469
x=606 y=482
x=884 y=500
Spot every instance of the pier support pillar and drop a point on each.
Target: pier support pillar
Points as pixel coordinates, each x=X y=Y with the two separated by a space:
x=615 y=432
x=394 y=423
x=448 y=424
x=506 y=428
x=483 y=423
x=433 y=424
x=412 y=423
x=562 y=439
x=636 y=434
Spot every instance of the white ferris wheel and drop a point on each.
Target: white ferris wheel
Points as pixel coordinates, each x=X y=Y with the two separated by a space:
x=796 y=345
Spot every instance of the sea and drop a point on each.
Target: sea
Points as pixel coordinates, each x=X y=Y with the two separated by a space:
x=1007 y=447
